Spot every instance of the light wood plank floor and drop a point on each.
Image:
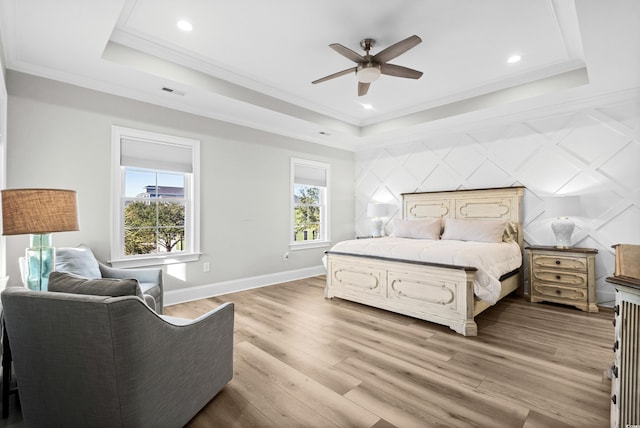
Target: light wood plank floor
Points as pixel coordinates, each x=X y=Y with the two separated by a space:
x=303 y=361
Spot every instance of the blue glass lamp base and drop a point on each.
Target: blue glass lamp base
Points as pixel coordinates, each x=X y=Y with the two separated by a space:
x=40 y=259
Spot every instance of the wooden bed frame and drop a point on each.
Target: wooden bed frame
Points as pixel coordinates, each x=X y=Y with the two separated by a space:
x=433 y=292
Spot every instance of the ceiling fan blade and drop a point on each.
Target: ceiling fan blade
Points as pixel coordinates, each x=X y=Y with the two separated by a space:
x=400 y=71
x=347 y=53
x=363 y=88
x=397 y=49
x=334 y=75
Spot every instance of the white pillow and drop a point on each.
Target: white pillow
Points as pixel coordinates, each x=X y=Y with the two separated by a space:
x=417 y=229
x=78 y=261
x=474 y=230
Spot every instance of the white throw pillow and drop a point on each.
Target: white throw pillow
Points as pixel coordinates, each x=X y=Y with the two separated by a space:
x=417 y=229
x=78 y=261
x=474 y=230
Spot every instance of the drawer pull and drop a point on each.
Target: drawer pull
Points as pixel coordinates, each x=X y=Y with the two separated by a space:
x=557 y=262
x=614 y=322
x=614 y=370
x=558 y=277
x=616 y=345
x=616 y=309
x=558 y=291
x=614 y=399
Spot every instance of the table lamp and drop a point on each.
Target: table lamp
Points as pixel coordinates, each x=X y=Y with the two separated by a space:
x=376 y=211
x=562 y=208
x=39 y=212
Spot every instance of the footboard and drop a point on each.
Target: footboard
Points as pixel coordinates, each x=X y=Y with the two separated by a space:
x=438 y=293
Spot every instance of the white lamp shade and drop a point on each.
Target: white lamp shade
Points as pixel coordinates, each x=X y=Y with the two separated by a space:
x=376 y=210
x=563 y=206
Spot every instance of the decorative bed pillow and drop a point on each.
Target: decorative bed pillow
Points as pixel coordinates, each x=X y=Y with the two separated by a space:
x=79 y=261
x=62 y=282
x=510 y=232
x=417 y=229
x=474 y=230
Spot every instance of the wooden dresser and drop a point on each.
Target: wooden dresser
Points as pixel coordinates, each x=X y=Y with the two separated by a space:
x=625 y=372
x=563 y=275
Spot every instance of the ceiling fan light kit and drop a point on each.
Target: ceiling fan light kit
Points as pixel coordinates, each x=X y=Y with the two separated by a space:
x=368 y=72
x=370 y=67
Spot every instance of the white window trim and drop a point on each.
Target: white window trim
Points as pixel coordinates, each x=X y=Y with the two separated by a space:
x=295 y=245
x=117 y=178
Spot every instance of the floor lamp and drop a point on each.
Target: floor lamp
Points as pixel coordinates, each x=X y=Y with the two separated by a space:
x=39 y=212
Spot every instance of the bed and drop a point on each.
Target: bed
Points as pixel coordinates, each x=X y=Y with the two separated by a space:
x=435 y=291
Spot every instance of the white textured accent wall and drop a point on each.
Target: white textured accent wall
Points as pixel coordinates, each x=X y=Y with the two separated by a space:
x=592 y=153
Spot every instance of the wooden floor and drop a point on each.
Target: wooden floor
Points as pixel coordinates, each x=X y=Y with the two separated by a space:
x=303 y=361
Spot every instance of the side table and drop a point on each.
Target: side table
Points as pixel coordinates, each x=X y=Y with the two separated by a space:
x=563 y=275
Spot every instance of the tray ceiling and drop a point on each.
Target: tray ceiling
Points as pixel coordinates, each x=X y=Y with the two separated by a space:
x=252 y=62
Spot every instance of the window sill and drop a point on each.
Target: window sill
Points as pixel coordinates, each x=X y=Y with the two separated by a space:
x=155 y=260
x=309 y=245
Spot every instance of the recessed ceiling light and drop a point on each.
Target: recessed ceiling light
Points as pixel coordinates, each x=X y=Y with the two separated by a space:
x=367 y=106
x=514 y=58
x=185 y=25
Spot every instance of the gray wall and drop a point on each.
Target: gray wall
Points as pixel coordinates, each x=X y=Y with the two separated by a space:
x=59 y=136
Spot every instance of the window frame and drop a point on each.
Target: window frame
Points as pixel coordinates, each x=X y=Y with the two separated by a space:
x=325 y=210
x=118 y=196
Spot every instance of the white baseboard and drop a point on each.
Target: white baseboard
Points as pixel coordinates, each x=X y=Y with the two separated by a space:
x=174 y=297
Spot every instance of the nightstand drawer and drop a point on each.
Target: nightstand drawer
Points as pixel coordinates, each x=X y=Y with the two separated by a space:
x=559 y=293
x=565 y=278
x=560 y=262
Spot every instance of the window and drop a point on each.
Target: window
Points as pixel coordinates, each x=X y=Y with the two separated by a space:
x=155 y=208
x=309 y=210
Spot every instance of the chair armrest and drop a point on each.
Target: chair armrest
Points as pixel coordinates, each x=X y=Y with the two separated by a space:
x=195 y=358
x=142 y=275
x=176 y=321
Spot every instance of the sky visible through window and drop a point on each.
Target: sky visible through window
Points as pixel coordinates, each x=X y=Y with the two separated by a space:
x=137 y=179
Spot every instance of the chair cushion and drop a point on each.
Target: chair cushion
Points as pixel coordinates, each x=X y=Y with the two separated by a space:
x=62 y=282
x=79 y=261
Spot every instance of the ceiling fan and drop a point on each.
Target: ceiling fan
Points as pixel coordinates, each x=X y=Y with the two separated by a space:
x=370 y=67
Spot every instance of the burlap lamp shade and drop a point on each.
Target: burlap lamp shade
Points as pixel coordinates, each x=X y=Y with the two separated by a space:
x=39 y=212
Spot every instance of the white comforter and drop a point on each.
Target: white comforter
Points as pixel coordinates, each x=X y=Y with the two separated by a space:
x=491 y=259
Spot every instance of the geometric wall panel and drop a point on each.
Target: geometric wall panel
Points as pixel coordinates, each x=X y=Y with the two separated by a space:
x=593 y=153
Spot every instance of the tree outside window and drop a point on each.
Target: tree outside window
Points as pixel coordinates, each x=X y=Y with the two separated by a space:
x=154 y=220
x=307 y=213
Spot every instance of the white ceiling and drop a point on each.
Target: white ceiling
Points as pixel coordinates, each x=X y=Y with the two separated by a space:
x=251 y=62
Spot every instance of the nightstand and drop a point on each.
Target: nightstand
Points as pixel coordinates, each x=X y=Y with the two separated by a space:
x=563 y=275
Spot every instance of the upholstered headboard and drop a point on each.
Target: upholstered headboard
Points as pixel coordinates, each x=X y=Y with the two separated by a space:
x=500 y=203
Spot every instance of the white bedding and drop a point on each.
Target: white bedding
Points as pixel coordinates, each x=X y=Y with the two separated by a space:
x=491 y=259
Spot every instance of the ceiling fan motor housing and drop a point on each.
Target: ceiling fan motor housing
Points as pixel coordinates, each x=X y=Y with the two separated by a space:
x=367 y=44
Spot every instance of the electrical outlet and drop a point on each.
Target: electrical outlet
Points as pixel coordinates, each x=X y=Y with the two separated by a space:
x=285 y=257
x=206 y=267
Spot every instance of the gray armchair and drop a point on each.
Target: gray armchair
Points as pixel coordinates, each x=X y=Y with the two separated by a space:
x=81 y=261
x=150 y=281
x=85 y=360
